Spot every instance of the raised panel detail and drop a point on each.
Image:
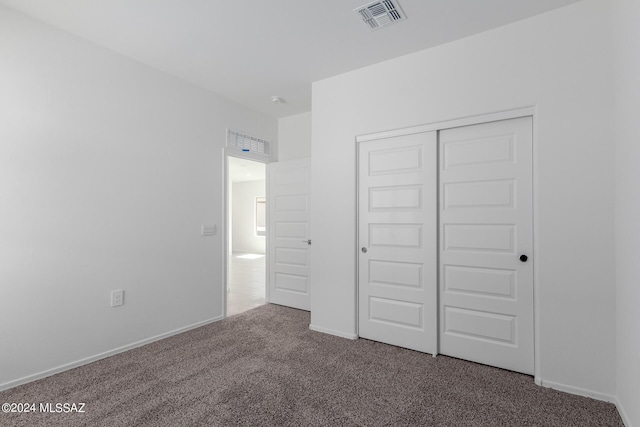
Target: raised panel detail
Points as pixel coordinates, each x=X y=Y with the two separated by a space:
x=395 y=273
x=287 y=256
x=479 y=237
x=498 y=328
x=291 y=203
x=406 y=197
x=291 y=177
x=395 y=160
x=292 y=230
x=479 y=194
x=489 y=282
x=497 y=148
x=398 y=235
x=399 y=313
x=291 y=283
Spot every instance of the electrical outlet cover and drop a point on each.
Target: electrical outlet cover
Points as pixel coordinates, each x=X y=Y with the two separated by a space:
x=117 y=298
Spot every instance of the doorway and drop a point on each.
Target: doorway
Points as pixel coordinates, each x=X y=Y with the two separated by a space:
x=246 y=235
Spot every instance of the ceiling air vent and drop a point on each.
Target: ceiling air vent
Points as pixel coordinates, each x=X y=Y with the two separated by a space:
x=380 y=13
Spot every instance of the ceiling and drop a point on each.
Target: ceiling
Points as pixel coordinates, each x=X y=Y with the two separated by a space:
x=242 y=170
x=250 y=50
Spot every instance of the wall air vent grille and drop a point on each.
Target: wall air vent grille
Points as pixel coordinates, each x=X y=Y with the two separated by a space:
x=247 y=143
x=380 y=13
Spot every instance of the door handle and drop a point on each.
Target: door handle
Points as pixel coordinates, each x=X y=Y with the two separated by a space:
x=308 y=242
x=524 y=258
x=364 y=250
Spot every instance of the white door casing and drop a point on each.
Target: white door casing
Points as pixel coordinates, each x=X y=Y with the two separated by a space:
x=288 y=251
x=397 y=273
x=486 y=225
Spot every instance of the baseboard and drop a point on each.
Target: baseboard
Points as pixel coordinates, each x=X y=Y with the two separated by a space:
x=90 y=359
x=589 y=393
x=623 y=413
x=579 y=391
x=332 y=332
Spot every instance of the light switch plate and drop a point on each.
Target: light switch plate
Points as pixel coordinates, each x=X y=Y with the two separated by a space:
x=209 y=230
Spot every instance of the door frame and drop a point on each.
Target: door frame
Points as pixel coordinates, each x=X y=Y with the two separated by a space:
x=226 y=153
x=454 y=123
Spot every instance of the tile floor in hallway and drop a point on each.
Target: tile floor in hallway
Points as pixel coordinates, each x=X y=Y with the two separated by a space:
x=246 y=282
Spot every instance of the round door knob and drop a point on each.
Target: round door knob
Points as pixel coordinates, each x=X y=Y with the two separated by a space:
x=364 y=250
x=524 y=258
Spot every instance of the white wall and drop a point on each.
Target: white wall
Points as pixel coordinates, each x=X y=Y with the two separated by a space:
x=627 y=66
x=107 y=171
x=244 y=209
x=294 y=137
x=559 y=62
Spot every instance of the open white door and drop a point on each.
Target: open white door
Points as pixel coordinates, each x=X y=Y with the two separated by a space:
x=288 y=231
x=397 y=280
x=486 y=271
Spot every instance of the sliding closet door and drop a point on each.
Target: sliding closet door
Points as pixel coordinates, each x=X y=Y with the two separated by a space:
x=486 y=229
x=397 y=250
